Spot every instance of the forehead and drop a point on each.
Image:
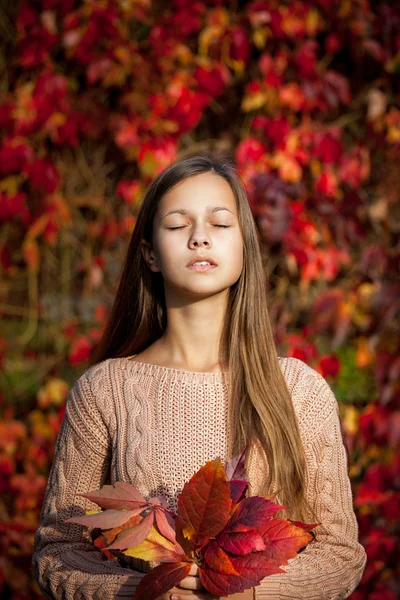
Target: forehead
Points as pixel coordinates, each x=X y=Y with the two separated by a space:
x=198 y=192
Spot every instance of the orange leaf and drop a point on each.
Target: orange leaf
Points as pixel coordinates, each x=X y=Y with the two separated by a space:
x=218 y=559
x=31 y=254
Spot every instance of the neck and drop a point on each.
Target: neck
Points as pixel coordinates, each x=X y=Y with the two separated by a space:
x=192 y=337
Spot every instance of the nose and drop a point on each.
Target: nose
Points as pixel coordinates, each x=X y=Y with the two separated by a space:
x=199 y=238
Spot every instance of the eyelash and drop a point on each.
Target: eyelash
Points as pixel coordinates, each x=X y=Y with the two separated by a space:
x=173 y=228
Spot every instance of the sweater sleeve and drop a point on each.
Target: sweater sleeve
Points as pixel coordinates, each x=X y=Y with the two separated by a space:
x=65 y=562
x=331 y=566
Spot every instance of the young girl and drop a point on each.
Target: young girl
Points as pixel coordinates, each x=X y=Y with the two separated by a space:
x=187 y=370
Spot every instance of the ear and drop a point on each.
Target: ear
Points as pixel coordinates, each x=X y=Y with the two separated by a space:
x=149 y=256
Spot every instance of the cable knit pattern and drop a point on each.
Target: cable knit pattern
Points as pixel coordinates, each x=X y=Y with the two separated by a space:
x=154 y=427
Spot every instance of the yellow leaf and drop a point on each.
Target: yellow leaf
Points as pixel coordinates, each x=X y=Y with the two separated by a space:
x=350 y=418
x=260 y=36
x=53 y=393
x=11 y=184
x=314 y=22
x=152 y=547
x=236 y=65
x=208 y=36
x=289 y=169
x=253 y=101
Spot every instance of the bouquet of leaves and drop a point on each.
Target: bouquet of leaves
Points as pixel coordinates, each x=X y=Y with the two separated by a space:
x=235 y=541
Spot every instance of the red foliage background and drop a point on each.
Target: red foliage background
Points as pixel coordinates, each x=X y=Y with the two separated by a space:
x=97 y=97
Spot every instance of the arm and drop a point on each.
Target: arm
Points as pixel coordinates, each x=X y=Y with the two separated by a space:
x=332 y=565
x=65 y=562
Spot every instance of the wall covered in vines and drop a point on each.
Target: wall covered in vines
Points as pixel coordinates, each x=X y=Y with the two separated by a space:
x=97 y=98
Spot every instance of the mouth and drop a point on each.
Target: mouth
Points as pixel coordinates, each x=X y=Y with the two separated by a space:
x=200 y=259
x=201 y=268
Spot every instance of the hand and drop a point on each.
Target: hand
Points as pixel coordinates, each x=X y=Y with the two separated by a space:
x=183 y=591
x=192 y=580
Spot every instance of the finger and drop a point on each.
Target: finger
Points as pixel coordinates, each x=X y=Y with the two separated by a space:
x=194 y=570
x=190 y=583
x=189 y=595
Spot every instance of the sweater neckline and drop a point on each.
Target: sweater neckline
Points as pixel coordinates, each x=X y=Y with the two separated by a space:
x=157 y=370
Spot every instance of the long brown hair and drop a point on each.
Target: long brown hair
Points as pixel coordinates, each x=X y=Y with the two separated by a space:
x=261 y=409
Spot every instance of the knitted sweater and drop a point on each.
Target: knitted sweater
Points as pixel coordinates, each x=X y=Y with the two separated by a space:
x=154 y=427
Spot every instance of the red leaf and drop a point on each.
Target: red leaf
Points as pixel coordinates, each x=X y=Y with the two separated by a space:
x=252 y=513
x=100 y=542
x=304 y=526
x=252 y=568
x=204 y=504
x=218 y=559
x=120 y=496
x=236 y=474
x=161 y=579
x=235 y=468
x=107 y=519
x=241 y=542
x=238 y=491
x=283 y=540
x=129 y=538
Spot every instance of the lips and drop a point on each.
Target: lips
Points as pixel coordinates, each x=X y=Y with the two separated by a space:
x=201 y=258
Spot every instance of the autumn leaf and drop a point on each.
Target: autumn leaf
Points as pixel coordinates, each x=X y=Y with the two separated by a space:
x=107 y=519
x=252 y=567
x=161 y=579
x=156 y=548
x=119 y=496
x=237 y=490
x=111 y=534
x=283 y=539
x=129 y=538
x=218 y=559
x=241 y=542
x=237 y=477
x=101 y=543
x=204 y=504
x=235 y=467
x=252 y=513
x=166 y=524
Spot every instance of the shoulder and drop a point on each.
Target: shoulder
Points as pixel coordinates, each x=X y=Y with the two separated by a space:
x=313 y=399
x=95 y=376
x=92 y=388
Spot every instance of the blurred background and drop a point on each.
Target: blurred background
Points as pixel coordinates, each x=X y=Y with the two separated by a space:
x=96 y=99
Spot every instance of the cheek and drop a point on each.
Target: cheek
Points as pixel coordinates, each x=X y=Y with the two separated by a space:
x=236 y=254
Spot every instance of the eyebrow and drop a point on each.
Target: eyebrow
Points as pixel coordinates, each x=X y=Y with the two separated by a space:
x=182 y=211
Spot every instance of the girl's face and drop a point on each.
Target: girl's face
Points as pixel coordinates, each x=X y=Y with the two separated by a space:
x=198 y=216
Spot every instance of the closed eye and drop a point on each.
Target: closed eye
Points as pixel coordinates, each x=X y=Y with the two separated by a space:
x=172 y=228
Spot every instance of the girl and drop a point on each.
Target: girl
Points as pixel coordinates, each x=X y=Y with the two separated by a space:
x=187 y=370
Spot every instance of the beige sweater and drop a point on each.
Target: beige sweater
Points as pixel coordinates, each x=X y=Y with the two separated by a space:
x=154 y=427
